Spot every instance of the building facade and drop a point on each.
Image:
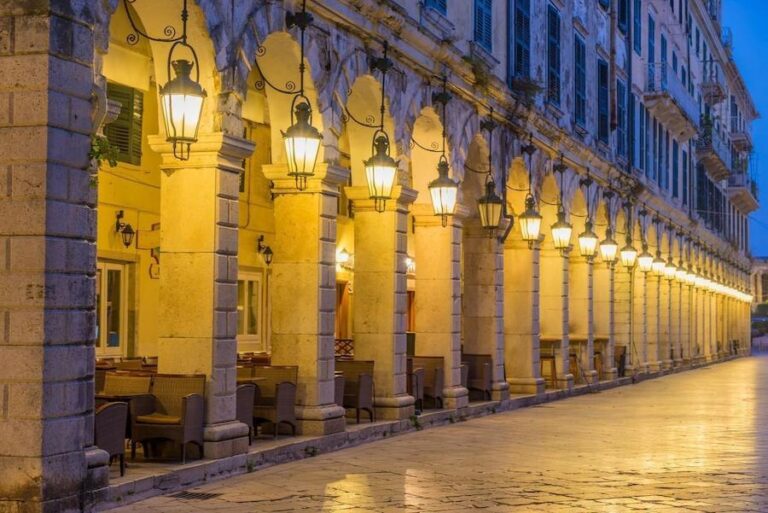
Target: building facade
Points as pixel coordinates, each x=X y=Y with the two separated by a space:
x=626 y=118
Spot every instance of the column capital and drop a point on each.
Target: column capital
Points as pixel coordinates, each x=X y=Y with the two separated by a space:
x=402 y=197
x=215 y=149
x=327 y=179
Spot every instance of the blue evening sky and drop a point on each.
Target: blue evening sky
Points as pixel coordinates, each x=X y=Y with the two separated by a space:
x=748 y=19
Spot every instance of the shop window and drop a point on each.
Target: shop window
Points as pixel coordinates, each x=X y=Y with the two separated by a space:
x=111 y=309
x=124 y=133
x=249 y=308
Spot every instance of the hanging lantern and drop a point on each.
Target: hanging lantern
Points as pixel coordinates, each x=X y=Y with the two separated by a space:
x=645 y=260
x=658 y=265
x=490 y=207
x=608 y=248
x=588 y=241
x=681 y=273
x=690 y=277
x=444 y=192
x=530 y=221
x=669 y=270
x=182 y=101
x=628 y=255
x=380 y=171
x=302 y=143
x=561 y=232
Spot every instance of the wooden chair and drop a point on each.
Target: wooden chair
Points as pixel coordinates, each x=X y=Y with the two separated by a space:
x=277 y=399
x=479 y=374
x=174 y=411
x=109 y=424
x=433 y=377
x=358 y=386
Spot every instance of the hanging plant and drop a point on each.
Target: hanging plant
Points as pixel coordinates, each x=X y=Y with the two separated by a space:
x=525 y=89
x=480 y=71
x=102 y=151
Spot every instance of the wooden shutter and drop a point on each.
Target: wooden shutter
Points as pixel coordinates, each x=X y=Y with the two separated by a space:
x=125 y=132
x=580 y=55
x=553 y=55
x=438 y=5
x=483 y=23
x=523 y=38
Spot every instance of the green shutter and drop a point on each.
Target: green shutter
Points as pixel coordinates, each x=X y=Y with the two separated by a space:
x=125 y=132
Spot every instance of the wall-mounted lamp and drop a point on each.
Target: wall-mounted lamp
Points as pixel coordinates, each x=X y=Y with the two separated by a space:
x=410 y=265
x=124 y=229
x=264 y=250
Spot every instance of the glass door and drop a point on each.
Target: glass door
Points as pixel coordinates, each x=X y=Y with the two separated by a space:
x=110 y=309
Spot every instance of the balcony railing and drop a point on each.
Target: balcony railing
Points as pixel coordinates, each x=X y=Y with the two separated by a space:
x=713 y=153
x=670 y=101
x=743 y=192
x=713 y=83
x=741 y=138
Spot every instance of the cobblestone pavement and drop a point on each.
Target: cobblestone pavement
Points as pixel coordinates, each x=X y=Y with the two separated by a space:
x=694 y=441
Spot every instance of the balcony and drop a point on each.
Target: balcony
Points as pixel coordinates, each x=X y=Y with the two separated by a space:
x=713 y=153
x=713 y=83
x=743 y=193
x=741 y=138
x=668 y=100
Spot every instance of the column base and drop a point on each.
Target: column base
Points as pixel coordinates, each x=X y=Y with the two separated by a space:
x=611 y=374
x=654 y=366
x=224 y=440
x=97 y=464
x=500 y=391
x=566 y=381
x=526 y=385
x=320 y=420
x=666 y=365
x=394 y=408
x=591 y=377
x=455 y=397
x=678 y=362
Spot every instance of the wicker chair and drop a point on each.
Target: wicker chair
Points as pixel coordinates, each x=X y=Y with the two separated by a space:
x=173 y=411
x=277 y=398
x=120 y=383
x=358 y=386
x=130 y=364
x=479 y=377
x=109 y=430
x=245 y=400
x=338 y=390
x=433 y=377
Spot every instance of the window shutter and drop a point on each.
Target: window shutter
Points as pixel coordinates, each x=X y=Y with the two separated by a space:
x=438 y=5
x=125 y=132
x=553 y=55
x=522 y=38
x=602 y=101
x=483 y=23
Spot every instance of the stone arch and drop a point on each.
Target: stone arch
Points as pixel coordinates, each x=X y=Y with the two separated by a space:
x=363 y=106
x=425 y=152
x=475 y=173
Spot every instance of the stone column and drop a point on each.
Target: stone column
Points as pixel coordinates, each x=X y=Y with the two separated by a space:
x=653 y=322
x=685 y=324
x=623 y=301
x=380 y=296
x=665 y=305
x=304 y=290
x=48 y=259
x=521 y=317
x=554 y=309
x=675 y=323
x=483 y=302
x=198 y=283
x=581 y=313
x=438 y=296
x=640 y=320
x=603 y=316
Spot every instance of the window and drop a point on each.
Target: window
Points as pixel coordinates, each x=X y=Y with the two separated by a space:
x=602 y=101
x=553 y=55
x=249 y=310
x=663 y=49
x=623 y=15
x=605 y=4
x=642 y=138
x=621 y=118
x=675 y=169
x=638 y=27
x=580 y=66
x=698 y=41
x=484 y=24
x=124 y=133
x=674 y=61
x=522 y=38
x=665 y=177
x=111 y=309
x=438 y=5
x=651 y=52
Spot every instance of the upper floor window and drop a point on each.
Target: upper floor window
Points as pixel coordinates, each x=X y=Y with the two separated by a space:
x=438 y=5
x=553 y=55
x=124 y=133
x=623 y=15
x=522 y=38
x=483 y=23
x=637 y=28
x=603 y=121
x=621 y=115
x=605 y=4
x=580 y=82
